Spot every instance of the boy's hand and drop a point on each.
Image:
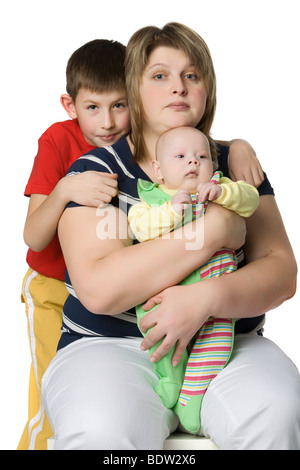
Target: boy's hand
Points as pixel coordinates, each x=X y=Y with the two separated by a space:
x=208 y=191
x=91 y=188
x=179 y=201
x=243 y=163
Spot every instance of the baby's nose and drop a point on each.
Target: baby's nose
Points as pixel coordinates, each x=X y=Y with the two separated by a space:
x=194 y=160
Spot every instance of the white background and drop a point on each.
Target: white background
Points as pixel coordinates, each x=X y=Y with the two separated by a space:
x=255 y=48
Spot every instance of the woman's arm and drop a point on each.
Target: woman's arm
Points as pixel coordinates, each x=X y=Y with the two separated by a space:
x=110 y=279
x=264 y=283
x=269 y=278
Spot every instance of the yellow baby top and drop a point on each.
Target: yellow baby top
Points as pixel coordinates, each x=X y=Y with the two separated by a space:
x=154 y=219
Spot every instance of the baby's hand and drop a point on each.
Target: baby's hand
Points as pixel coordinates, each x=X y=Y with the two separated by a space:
x=180 y=200
x=91 y=188
x=208 y=191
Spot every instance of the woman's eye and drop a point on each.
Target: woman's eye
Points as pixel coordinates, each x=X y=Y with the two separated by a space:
x=191 y=76
x=159 y=76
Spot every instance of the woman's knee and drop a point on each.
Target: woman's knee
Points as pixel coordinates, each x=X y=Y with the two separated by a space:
x=286 y=415
x=95 y=435
x=255 y=402
x=277 y=425
x=88 y=430
x=105 y=404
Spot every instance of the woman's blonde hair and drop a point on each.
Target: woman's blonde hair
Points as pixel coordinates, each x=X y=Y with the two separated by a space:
x=138 y=50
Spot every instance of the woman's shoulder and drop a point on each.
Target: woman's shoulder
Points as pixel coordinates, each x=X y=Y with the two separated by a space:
x=111 y=159
x=223 y=152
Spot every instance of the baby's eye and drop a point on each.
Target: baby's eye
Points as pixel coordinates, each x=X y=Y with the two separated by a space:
x=201 y=157
x=180 y=156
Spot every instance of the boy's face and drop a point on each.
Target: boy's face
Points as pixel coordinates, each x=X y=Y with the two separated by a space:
x=103 y=117
x=184 y=159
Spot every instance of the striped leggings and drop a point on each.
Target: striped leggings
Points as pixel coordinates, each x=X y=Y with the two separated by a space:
x=182 y=387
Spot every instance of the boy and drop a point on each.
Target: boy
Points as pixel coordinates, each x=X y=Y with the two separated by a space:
x=96 y=102
x=185 y=166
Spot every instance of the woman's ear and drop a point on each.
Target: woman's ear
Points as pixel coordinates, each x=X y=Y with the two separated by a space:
x=68 y=105
x=156 y=169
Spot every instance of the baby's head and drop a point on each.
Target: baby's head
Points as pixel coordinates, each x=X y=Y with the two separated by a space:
x=183 y=159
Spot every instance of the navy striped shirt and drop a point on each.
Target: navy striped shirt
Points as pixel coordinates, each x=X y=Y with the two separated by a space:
x=78 y=322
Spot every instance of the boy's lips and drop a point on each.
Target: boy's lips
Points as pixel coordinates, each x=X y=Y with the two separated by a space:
x=107 y=138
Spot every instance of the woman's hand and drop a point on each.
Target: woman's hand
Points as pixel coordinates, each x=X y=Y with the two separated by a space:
x=182 y=310
x=175 y=320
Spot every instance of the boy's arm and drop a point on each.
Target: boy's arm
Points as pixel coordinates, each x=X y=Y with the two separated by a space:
x=148 y=222
x=42 y=219
x=243 y=162
x=239 y=197
x=91 y=188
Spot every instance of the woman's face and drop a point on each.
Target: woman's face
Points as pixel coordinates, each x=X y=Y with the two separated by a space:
x=171 y=91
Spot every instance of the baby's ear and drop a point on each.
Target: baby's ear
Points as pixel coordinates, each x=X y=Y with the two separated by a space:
x=156 y=169
x=68 y=105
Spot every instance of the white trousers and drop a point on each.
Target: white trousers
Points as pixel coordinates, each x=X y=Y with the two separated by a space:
x=98 y=394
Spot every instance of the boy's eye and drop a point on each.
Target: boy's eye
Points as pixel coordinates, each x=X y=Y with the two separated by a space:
x=119 y=105
x=93 y=107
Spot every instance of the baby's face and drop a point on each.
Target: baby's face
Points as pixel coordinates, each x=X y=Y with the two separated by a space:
x=184 y=159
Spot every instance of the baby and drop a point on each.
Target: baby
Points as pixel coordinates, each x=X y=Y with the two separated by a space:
x=186 y=168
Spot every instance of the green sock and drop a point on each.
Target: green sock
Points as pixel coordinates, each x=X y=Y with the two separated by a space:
x=170 y=377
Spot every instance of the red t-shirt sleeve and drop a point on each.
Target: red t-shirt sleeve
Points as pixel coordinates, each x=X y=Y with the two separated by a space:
x=47 y=167
x=58 y=148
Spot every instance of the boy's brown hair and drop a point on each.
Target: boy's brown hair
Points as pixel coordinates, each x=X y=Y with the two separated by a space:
x=97 y=66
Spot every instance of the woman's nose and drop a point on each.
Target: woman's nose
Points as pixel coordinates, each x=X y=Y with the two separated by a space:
x=178 y=86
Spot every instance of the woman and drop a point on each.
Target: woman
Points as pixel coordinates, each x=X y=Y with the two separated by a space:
x=99 y=389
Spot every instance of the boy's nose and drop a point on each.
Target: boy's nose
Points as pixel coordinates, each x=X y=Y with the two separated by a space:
x=107 y=121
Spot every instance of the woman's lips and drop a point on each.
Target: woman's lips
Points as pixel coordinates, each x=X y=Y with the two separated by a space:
x=178 y=106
